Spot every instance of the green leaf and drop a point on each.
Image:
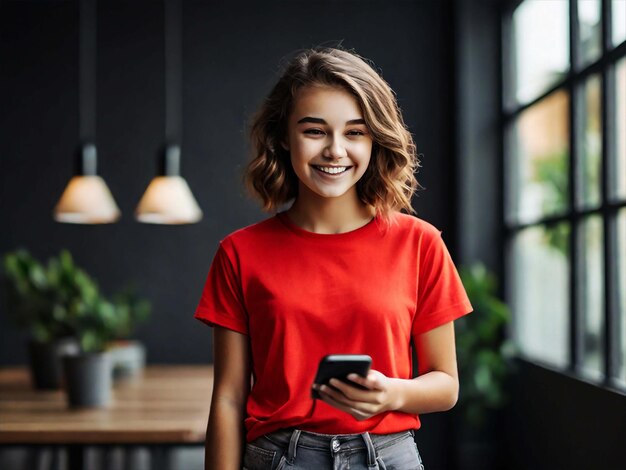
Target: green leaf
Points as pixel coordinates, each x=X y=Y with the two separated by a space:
x=61 y=299
x=483 y=351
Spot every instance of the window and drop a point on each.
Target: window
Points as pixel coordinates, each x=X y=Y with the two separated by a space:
x=564 y=115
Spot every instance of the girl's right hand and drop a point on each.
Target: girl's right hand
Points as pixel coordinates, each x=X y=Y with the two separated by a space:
x=381 y=395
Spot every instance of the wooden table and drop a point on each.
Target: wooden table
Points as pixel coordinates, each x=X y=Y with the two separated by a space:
x=164 y=406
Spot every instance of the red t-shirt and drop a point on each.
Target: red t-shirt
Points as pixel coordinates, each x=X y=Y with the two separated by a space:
x=300 y=295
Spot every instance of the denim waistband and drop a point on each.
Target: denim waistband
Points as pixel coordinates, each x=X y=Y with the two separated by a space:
x=312 y=440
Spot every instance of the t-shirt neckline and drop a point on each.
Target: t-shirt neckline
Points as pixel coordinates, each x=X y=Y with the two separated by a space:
x=369 y=227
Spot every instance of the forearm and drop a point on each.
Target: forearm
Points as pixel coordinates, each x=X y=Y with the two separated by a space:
x=436 y=390
x=433 y=391
x=225 y=435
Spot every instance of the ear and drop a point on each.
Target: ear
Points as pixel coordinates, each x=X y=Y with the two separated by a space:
x=285 y=143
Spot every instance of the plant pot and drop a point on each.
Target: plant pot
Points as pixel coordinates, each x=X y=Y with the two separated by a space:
x=45 y=361
x=128 y=357
x=88 y=379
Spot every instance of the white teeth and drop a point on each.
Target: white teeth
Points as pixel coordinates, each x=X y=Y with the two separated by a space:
x=333 y=170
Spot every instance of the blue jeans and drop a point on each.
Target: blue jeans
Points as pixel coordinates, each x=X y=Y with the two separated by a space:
x=300 y=450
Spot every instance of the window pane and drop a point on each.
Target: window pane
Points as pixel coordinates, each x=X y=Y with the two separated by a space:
x=541 y=42
x=537 y=174
x=619 y=24
x=591 y=149
x=621 y=294
x=539 y=270
x=590 y=30
x=591 y=295
x=617 y=174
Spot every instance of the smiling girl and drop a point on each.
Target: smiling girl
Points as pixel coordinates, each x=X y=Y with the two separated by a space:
x=341 y=271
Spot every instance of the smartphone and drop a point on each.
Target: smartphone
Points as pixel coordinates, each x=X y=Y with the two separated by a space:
x=339 y=366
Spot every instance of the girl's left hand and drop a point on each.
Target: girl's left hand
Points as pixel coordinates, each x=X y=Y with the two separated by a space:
x=381 y=395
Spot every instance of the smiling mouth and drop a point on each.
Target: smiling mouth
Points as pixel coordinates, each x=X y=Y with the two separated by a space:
x=332 y=170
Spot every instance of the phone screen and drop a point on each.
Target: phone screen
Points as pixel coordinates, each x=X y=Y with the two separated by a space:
x=339 y=366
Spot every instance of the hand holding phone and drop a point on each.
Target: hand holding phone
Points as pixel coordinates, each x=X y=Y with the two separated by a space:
x=339 y=366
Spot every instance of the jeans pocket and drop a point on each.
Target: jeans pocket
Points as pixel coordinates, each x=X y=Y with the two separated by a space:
x=256 y=458
x=402 y=455
x=281 y=463
x=419 y=457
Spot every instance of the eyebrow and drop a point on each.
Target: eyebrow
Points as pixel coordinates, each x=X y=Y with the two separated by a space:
x=321 y=121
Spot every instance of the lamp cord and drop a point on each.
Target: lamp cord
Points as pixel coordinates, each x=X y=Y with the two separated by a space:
x=173 y=70
x=87 y=71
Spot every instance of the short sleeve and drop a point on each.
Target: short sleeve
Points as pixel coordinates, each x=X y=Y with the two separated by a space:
x=221 y=303
x=441 y=296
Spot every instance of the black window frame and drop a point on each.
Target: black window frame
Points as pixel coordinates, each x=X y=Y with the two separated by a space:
x=574 y=79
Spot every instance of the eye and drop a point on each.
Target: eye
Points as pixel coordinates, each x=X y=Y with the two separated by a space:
x=356 y=132
x=313 y=131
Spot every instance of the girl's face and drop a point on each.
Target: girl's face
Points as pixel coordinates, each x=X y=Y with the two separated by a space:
x=329 y=143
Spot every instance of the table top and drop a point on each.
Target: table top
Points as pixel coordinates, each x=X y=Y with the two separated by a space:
x=162 y=405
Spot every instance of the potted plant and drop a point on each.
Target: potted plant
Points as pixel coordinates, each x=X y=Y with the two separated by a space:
x=128 y=355
x=36 y=302
x=88 y=374
x=485 y=362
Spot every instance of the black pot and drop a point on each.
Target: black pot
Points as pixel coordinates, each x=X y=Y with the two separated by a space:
x=45 y=361
x=88 y=379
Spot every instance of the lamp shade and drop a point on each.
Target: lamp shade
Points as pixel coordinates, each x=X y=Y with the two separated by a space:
x=86 y=200
x=168 y=200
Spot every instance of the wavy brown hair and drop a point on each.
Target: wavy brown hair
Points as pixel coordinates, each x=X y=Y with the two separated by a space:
x=389 y=181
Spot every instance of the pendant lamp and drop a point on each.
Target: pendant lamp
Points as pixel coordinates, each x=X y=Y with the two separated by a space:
x=87 y=199
x=168 y=199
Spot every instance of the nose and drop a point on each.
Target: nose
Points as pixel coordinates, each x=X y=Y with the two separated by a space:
x=334 y=150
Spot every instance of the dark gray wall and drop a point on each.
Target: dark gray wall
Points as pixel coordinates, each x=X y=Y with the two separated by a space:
x=477 y=124
x=231 y=53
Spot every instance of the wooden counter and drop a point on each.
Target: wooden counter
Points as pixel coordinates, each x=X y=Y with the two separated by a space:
x=165 y=405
